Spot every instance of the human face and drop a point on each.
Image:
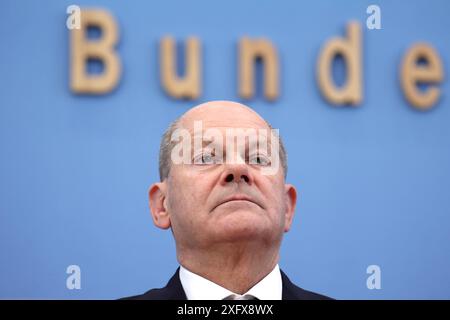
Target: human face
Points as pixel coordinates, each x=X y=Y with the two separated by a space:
x=228 y=201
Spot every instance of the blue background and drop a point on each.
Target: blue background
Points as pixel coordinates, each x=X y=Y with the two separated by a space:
x=373 y=181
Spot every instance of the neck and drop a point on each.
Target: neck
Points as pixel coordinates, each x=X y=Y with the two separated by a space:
x=236 y=267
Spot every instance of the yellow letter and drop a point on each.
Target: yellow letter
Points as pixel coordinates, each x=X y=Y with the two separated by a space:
x=249 y=51
x=412 y=73
x=190 y=86
x=350 y=49
x=103 y=49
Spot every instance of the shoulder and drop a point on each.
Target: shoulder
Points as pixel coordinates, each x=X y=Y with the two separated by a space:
x=153 y=294
x=294 y=292
x=172 y=291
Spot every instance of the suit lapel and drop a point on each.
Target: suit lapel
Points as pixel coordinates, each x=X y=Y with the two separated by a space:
x=174 y=289
x=289 y=292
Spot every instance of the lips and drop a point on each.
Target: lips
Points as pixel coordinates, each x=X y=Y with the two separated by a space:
x=238 y=197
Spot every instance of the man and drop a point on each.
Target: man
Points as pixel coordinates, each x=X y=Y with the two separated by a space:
x=226 y=213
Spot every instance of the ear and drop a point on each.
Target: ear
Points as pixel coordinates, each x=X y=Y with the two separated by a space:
x=291 y=200
x=158 y=207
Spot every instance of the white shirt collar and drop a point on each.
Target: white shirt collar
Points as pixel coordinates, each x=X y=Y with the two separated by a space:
x=198 y=288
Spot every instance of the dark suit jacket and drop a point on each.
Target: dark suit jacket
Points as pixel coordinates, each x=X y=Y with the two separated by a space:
x=174 y=291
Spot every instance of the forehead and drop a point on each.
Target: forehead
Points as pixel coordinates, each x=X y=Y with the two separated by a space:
x=223 y=115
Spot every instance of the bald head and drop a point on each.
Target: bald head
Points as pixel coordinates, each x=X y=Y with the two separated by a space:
x=225 y=112
x=214 y=114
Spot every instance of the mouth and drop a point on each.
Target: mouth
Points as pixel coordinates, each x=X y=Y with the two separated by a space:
x=238 y=198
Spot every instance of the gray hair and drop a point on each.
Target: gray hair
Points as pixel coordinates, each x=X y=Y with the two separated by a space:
x=166 y=146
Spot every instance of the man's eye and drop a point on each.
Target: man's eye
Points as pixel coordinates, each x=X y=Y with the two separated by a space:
x=204 y=158
x=259 y=159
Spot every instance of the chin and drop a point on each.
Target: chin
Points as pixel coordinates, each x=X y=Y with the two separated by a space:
x=243 y=225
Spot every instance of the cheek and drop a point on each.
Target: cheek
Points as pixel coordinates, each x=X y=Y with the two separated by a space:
x=178 y=199
x=276 y=199
x=187 y=194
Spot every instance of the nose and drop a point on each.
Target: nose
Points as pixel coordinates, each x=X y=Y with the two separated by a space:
x=236 y=173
